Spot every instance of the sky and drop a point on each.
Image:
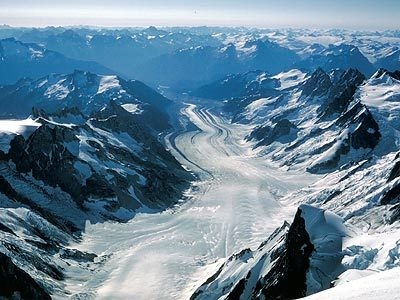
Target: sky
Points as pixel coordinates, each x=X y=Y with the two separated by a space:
x=352 y=14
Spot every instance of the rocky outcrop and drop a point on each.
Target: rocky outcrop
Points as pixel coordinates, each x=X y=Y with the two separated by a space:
x=280 y=262
x=17 y=284
x=341 y=94
x=292 y=265
x=317 y=85
x=45 y=153
x=283 y=131
x=366 y=133
x=395 y=172
x=360 y=131
x=295 y=261
x=56 y=154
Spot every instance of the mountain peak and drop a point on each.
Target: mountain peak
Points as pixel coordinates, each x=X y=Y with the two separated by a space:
x=318 y=83
x=381 y=73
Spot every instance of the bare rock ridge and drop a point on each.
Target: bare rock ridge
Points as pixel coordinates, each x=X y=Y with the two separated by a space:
x=16 y=284
x=293 y=262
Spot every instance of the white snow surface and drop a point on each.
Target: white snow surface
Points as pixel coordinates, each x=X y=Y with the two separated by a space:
x=167 y=255
x=290 y=79
x=132 y=108
x=58 y=90
x=18 y=126
x=10 y=128
x=383 y=285
x=107 y=83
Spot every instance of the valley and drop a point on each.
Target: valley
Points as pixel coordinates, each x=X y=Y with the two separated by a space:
x=234 y=204
x=199 y=163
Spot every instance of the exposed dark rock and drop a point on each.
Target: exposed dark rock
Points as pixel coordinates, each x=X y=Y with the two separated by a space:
x=366 y=135
x=77 y=255
x=333 y=161
x=395 y=172
x=11 y=193
x=288 y=252
x=46 y=155
x=290 y=270
x=267 y=135
x=394 y=214
x=16 y=283
x=18 y=154
x=3 y=156
x=317 y=85
x=5 y=228
x=392 y=196
x=381 y=72
x=341 y=93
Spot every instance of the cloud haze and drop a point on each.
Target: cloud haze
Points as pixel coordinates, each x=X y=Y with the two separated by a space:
x=258 y=13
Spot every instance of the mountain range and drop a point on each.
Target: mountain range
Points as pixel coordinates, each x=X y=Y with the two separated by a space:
x=112 y=141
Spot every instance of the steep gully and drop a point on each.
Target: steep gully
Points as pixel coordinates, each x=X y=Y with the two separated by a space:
x=233 y=205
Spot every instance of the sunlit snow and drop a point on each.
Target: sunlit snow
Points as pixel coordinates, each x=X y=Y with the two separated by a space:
x=234 y=205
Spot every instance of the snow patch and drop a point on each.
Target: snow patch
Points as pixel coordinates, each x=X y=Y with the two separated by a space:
x=132 y=108
x=384 y=285
x=107 y=83
x=57 y=90
x=290 y=79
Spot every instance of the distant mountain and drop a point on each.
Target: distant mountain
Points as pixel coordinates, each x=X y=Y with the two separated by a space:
x=120 y=50
x=188 y=67
x=238 y=85
x=337 y=57
x=390 y=60
x=192 y=67
x=268 y=56
x=19 y=60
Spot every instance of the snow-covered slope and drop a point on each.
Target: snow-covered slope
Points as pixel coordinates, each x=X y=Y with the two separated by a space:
x=315 y=121
x=363 y=194
x=89 y=152
x=85 y=178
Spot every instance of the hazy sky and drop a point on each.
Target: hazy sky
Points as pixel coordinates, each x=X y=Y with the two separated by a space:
x=359 y=14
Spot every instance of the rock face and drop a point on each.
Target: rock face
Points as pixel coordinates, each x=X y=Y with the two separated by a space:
x=283 y=131
x=280 y=262
x=290 y=271
x=341 y=93
x=76 y=159
x=392 y=195
x=362 y=133
x=295 y=261
x=17 y=284
x=317 y=85
x=46 y=155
